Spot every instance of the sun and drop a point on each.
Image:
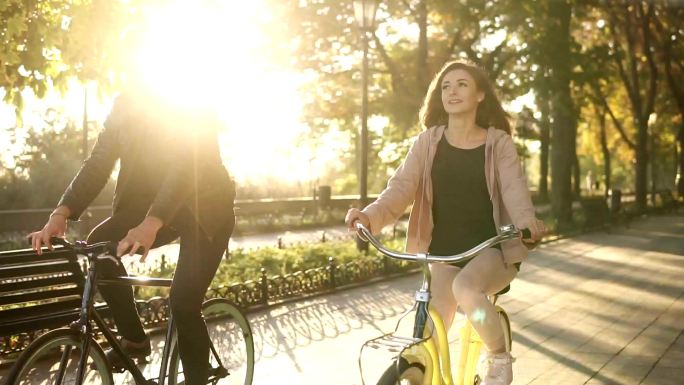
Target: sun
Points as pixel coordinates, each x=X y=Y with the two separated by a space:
x=214 y=53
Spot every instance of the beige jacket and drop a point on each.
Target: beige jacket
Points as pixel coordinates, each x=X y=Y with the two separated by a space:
x=412 y=182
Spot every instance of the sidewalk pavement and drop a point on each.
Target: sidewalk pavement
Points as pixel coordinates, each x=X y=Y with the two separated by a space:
x=601 y=308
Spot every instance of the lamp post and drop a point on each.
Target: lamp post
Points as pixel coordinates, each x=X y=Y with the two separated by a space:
x=364 y=13
x=524 y=129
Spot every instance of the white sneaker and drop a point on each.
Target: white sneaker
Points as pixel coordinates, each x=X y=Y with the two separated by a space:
x=498 y=369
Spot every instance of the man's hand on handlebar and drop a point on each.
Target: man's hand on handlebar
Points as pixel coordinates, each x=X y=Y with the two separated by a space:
x=356 y=215
x=140 y=237
x=55 y=227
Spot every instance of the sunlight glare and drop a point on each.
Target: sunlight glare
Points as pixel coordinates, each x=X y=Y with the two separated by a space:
x=214 y=54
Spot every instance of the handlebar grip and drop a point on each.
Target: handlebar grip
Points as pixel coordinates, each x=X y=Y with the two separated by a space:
x=59 y=241
x=526 y=234
x=108 y=247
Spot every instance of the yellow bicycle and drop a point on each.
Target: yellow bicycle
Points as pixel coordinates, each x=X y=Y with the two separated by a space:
x=418 y=360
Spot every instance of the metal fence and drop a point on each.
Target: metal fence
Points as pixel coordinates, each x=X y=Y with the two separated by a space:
x=253 y=294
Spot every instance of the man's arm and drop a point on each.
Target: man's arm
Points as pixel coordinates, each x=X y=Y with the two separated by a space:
x=97 y=169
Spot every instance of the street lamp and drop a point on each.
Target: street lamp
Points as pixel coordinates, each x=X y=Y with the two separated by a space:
x=364 y=12
x=524 y=130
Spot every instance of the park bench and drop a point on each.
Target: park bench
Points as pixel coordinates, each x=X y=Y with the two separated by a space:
x=38 y=291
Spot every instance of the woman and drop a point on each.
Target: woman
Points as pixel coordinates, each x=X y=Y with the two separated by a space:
x=463 y=176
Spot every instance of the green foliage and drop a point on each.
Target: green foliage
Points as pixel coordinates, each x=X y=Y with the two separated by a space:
x=53 y=153
x=245 y=265
x=414 y=39
x=44 y=43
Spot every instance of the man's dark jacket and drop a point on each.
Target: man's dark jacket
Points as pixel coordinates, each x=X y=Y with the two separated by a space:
x=169 y=158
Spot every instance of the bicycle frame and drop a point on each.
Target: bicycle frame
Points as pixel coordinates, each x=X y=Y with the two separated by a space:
x=421 y=347
x=88 y=314
x=80 y=334
x=425 y=350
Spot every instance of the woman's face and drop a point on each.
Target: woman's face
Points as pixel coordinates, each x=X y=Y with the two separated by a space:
x=459 y=92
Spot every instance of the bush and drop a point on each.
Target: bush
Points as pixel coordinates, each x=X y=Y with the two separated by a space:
x=245 y=265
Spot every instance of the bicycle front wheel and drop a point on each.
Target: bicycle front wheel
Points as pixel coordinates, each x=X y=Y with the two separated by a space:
x=403 y=373
x=53 y=358
x=231 y=358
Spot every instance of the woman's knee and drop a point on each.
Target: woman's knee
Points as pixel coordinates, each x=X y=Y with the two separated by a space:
x=465 y=287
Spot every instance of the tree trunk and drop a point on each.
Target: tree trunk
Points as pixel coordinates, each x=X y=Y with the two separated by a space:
x=544 y=128
x=422 y=67
x=641 y=164
x=605 y=151
x=680 y=139
x=576 y=172
x=576 y=178
x=654 y=172
x=562 y=110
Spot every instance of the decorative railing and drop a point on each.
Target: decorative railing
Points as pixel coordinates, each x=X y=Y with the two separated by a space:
x=252 y=294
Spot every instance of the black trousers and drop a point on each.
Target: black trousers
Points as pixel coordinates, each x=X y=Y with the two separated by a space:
x=198 y=260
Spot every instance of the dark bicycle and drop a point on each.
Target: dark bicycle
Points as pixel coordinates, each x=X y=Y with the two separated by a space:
x=72 y=355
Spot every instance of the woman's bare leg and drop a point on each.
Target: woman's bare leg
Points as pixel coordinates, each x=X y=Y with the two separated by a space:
x=443 y=300
x=486 y=274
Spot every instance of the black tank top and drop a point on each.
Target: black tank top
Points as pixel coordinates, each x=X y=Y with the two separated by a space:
x=461 y=209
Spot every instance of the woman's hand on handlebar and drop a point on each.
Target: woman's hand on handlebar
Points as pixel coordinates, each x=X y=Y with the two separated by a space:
x=537 y=230
x=356 y=215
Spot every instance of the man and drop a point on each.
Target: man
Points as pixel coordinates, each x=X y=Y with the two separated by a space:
x=171 y=184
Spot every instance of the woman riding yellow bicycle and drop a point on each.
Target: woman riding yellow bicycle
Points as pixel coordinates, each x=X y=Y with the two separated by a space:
x=463 y=176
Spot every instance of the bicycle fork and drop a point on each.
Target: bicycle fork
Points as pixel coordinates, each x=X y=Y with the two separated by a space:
x=469 y=354
x=83 y=326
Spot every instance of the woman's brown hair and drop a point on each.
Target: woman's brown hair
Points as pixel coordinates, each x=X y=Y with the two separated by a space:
x=489 y=111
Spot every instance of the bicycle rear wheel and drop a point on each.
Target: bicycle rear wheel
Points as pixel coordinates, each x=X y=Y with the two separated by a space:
x=404 y=374
x=56 y=354
x=506 y=326
x=232 y=355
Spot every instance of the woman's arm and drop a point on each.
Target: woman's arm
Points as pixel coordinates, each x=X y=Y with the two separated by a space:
x=401 y=187
x=514 y=191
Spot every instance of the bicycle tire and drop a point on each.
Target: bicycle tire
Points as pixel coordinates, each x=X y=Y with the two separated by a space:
x=41 y=360
x=406 y=374
x=508 y=335
x=506 y=326
x=229 y=331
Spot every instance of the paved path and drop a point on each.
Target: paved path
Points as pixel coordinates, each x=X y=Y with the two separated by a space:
x=602 y=308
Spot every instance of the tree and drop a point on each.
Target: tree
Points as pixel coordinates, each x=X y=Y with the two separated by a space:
x=46 y=43
x=327 y=44
x=630 y=26
x=52 y=155
x=669 y=38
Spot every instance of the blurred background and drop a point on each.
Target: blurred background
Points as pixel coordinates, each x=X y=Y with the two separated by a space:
x=595 y=89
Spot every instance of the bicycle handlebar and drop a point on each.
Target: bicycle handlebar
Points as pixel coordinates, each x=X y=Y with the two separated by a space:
x=507 y=232
x=107 y=247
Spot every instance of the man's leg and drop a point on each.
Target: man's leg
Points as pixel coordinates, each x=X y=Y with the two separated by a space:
x=198 y=261
x=120 y=298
